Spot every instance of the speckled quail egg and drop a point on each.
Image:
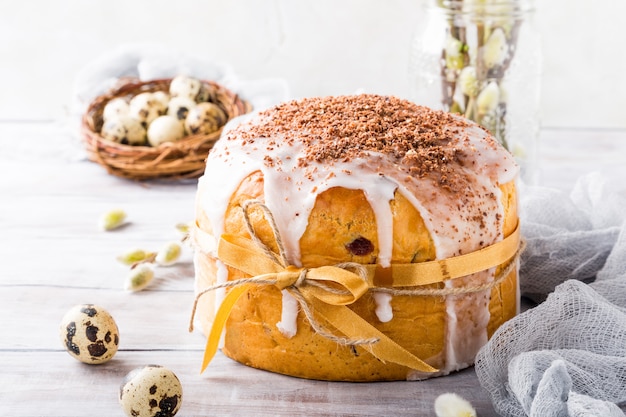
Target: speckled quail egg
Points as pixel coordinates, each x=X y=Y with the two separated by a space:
x=184 y=86
x=151 y=390
x=89 y=334
x=145 y=107
x=165 y=129
x=179 y=107
x=115 y=107
x=204 y=119
x=162 y=97
x=125 y=130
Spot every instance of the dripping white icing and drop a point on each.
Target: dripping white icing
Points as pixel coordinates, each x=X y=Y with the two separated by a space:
x=383 y=306
x=288 y=325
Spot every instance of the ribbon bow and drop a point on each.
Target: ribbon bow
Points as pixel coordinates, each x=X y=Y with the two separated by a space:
x=324 y=290
x=330 y=284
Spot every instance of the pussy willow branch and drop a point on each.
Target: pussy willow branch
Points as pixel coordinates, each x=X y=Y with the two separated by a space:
x=495 y=121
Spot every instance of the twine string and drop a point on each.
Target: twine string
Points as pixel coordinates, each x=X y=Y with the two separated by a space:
x=293 y=289
x=270 y=218
x=358 y=269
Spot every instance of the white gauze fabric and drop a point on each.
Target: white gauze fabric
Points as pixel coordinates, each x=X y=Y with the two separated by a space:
x=567 y=236
x=566 y=356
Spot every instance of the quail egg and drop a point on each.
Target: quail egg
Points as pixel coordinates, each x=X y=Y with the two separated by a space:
x=89 y=334
x=125 y=130
x=145 y=107
x=165 y=129
x=115 y=107
x=179 y=107
x=204 y=119
x=162 y=97
x=192 y=88
x=151 y=391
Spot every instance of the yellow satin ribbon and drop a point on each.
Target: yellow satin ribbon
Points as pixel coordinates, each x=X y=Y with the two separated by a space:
x=432 y=272
x=345 y=288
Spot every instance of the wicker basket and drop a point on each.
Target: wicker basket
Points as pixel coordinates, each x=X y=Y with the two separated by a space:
x=184 y=159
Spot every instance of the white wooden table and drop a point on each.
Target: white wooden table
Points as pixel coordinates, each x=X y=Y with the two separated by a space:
x=52 y=257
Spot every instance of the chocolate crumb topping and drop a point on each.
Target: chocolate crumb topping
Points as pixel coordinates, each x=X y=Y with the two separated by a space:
x=342 y=128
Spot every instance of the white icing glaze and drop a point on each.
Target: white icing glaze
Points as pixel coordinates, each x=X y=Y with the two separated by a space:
x=383 y=306
x=458 y=223
x=288 y=325
x=467 y=333
x=220 y=293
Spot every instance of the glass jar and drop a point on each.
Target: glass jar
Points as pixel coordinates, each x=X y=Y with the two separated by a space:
x=482 y=59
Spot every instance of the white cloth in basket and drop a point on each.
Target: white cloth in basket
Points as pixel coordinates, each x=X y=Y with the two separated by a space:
x=147 y=61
